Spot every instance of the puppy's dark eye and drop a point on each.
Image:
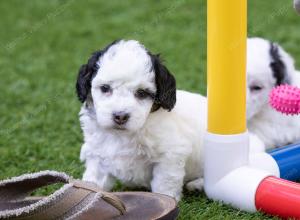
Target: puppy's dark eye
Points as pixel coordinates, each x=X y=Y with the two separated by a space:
x=255 y=88
x=105 y=88
x=141 y=94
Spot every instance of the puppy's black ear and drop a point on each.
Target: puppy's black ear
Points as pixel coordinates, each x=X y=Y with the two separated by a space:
x=85 y=75
x=87 y=72
x=278 y=66
x=82 y=85
x=165 y=85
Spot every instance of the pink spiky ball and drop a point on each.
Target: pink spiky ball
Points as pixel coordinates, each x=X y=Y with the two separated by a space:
x=286 y=99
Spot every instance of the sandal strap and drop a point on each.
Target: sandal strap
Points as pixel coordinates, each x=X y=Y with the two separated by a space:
x=68 y=201
x=73 y=194
x=19 y=187
x=106 y=196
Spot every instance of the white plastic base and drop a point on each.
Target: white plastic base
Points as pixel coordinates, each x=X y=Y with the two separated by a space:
x=228 y=177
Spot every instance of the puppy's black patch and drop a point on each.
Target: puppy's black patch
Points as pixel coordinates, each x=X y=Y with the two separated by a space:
x=165 y=84
x=278 y=66
x=87 y=72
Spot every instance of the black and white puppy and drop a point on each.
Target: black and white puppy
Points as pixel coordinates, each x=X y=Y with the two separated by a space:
x=269 y=65
x=133 y=131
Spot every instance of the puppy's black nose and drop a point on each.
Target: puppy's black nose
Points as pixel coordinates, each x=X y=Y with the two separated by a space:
x=120 y=117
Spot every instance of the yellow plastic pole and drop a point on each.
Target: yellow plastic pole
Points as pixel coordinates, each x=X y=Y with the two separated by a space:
x=226 y=49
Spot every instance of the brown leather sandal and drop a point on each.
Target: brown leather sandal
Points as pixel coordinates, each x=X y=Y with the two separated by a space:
x=78 y=200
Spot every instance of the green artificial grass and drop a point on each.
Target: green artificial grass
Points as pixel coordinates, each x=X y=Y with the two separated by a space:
x=43 y=43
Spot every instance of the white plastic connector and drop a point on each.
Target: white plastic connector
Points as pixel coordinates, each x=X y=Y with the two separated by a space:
x=264 y=161
x=228 y=176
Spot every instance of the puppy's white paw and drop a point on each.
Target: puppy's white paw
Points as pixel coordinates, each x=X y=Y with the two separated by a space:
x=106 y=182
x=197 y=184
x=90 y=178
x=176 y=196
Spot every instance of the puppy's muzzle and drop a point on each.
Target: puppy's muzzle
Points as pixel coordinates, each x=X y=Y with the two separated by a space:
x=120 y=118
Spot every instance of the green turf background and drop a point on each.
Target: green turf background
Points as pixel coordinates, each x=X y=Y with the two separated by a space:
x=42 y=44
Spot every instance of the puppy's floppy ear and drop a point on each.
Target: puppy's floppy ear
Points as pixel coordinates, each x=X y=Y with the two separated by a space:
x=85 y=75
x=278 y=65
x=87 y=72
x=165 y=85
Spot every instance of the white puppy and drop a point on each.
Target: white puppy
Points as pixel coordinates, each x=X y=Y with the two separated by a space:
x=133 y=131
x=268 y=65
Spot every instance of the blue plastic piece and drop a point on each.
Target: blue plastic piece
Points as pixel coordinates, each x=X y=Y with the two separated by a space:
x=288 y=160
